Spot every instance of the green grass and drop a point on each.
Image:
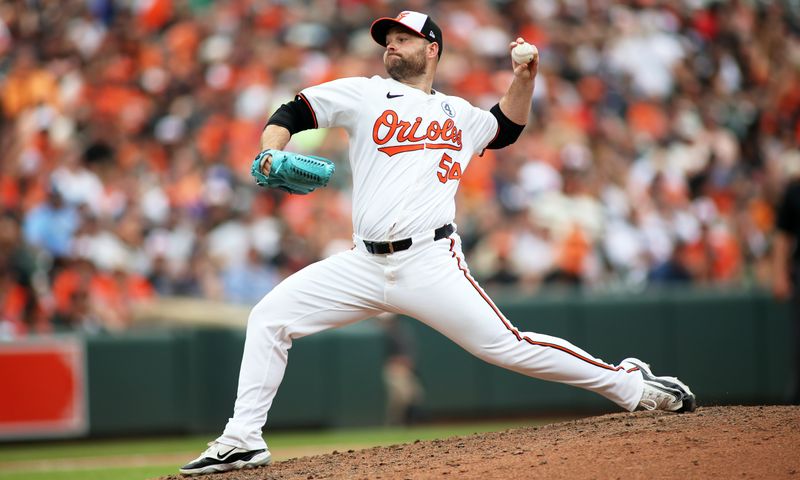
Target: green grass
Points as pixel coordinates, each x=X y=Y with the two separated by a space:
x=130 y=473
x=192 y=446
x=99 y=448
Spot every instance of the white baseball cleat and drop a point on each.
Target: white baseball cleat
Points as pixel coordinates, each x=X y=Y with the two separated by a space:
x=663 y=393
x=219 y=457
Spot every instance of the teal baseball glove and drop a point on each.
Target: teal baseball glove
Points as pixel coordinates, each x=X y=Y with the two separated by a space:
x=292 y=172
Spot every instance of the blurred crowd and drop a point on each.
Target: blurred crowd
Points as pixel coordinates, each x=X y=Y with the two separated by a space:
x=661 y=136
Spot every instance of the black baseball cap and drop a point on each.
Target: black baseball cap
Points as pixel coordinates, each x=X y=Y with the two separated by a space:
x=419 y=23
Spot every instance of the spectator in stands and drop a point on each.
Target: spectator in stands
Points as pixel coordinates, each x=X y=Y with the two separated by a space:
x=93 y=300
x=673 y=271
x=20 y=310
x=79 y=315
x=50 y=225
x=77 y=184
x=245 y=282
x=73 y=307
x=16 y=255
x=28 y=84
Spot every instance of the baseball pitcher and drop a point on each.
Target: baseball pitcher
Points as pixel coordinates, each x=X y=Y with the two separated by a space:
x=409 y=146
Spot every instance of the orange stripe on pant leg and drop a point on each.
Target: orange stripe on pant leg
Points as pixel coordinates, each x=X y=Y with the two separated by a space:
x=512 y=329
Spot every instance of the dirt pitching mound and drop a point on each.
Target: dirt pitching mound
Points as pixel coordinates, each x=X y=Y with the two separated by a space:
x=714 y=442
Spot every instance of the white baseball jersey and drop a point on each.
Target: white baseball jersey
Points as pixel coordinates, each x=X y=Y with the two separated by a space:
x=408 y=150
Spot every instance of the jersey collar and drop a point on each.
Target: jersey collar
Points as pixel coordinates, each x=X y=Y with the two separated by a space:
x=395 y=85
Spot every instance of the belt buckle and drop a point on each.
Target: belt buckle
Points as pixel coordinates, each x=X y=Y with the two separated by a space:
x=391 y=247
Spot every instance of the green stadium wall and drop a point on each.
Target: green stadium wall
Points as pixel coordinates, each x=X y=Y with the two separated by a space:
x=732 y=347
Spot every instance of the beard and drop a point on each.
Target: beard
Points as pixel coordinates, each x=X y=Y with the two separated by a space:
x=402 y=68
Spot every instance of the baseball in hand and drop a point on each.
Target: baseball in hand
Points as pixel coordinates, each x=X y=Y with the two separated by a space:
x=524 y=53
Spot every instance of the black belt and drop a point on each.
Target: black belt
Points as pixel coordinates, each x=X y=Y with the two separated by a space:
x=380 y=248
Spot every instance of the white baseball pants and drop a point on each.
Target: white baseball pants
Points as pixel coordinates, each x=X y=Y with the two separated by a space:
x=431 y=282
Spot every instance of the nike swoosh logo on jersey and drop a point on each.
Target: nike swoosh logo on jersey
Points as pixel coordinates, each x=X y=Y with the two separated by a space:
x=389 y=95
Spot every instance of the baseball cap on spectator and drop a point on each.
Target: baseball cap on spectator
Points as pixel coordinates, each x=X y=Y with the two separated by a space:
x=418 y=23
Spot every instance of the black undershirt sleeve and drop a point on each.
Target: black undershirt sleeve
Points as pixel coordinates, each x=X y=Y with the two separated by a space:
x=507 y=131
x=294 y=116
